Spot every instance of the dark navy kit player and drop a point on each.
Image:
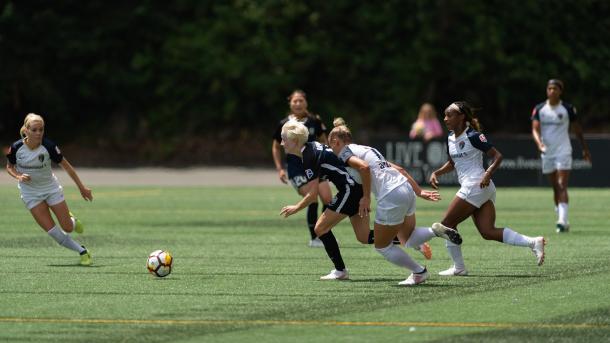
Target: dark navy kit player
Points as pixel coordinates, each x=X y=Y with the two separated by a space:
x=551 y=123
x=29 y=161
x=477 y=194
x=311 y=162
x=316 y=132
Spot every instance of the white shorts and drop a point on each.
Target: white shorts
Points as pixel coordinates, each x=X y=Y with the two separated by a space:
x=31 y=200
x=476 y=195
x=558 y=162
x=395 y=206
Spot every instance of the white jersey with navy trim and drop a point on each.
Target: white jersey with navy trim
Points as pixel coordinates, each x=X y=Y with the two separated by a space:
x=384 y=178
x=555 y=127
x=467 y=151
x=37 y=164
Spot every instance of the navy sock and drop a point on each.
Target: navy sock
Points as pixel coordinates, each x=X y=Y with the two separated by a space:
x=312 y=218
x=332 y=250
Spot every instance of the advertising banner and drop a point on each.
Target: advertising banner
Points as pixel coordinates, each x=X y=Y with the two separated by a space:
x=521 y=165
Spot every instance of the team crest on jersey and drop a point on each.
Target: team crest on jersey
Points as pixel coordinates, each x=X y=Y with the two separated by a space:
x=41 y=158
x=560 y=116
x=461 y=145
x=482 y=138
x=309 y=173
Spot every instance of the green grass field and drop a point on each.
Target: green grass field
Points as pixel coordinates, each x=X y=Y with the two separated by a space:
x=244 y=274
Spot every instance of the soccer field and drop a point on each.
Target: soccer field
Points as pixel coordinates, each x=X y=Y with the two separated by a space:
x=244 y=274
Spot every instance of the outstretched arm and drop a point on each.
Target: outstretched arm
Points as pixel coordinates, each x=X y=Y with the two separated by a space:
x=84 y=191
x=428 y=195
x=311 y=195
x=446 y=168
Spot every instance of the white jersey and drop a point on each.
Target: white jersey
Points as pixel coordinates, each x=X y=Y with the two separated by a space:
x=37 y=164
x=466 y=152
x=555 y=126
x=384 y=178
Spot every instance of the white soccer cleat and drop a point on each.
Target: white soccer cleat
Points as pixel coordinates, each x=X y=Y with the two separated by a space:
x=538 y=249
x=336 y=275
x=447 y=233
x=316 y=243
x=425 y=250
x=415 y=279
x=454 y=272
x=563 y=227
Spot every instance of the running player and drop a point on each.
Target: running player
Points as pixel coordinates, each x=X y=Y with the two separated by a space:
x=29 y=161
x=316 y=132
x=466 y=145
x=551 y=122
x=395 y=191
x=312 y=162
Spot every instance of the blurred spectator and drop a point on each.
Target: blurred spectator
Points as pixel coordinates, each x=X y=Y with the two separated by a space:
x=426 y=126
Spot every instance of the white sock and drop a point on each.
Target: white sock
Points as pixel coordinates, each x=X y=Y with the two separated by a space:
x=515 y=238
x=400 y=258
x=563 y=212
x=419 y=236
x=64 y=239
x=455 y=251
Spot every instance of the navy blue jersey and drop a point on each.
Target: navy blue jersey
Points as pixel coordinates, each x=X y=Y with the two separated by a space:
x=312 y=122
x=318 y=162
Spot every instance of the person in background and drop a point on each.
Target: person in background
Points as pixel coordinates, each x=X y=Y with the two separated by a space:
x=551 y=122
x=426 y=126
x=29 y=161
x=297 y=101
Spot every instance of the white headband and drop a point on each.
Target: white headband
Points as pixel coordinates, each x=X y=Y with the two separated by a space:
x=454 y=107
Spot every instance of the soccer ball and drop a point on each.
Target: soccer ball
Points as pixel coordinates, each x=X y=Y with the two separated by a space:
x=159 y=263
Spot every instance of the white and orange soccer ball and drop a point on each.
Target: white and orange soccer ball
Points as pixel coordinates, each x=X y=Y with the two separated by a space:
x=159 y=263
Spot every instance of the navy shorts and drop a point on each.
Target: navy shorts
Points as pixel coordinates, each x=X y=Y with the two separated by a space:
x=347 y=201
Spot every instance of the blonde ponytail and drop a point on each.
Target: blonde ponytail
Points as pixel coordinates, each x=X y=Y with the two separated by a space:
x=340 y=131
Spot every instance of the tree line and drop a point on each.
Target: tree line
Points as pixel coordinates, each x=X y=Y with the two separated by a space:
x=154 y=78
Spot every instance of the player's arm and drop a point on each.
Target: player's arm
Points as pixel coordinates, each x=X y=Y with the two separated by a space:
x=577 y=128
x=428 y=195
x=84 y=191
x=310 y=195
x=536 y=135
x=276 y=152
x=497 y=160
x=365 y=174
x=12 y=171
x=446 y=168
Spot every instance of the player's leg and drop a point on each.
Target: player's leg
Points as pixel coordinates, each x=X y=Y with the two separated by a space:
x=361 y=228
x=312 y=218
x=59 y=207
x=458 y=211
x=563 y=176
x=484 y=219
x=42 y=215
x=326 y=222
x=384 y=235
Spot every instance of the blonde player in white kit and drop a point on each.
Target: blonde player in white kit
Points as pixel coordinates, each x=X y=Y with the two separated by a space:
x=395 y=192
x=29 y=161
x=476 y=197
x=551 y=122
